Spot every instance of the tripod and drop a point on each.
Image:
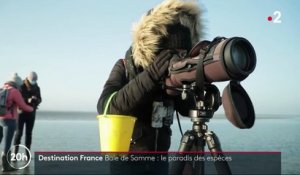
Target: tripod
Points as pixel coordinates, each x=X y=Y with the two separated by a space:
x=198 y=137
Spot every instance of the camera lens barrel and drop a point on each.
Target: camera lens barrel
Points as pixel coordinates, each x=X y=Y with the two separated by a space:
x=239 y=58
x=230 y=59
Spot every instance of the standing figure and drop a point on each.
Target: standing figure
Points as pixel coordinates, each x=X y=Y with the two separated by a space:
x=32 y=96
x=8 y=120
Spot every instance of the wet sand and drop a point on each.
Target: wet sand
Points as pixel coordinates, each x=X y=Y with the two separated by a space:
x=27 y=170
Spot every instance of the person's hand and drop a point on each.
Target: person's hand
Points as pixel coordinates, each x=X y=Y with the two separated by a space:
x=32 y=101
x=19 y=111
x=160 y=65
x=29 y=100
x=34 y=98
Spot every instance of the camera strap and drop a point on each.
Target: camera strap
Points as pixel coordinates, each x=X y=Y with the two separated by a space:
x=200 y=72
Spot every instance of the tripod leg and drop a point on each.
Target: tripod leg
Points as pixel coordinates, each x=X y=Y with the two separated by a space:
x=186 y=144
x=214 y=146
x=198 y=167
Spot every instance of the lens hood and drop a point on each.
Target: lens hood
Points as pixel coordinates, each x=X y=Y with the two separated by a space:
x=238 y=106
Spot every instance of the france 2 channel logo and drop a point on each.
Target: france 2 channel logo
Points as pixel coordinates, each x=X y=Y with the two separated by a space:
x=275 y=18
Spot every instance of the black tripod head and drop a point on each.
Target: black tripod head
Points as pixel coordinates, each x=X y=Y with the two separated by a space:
x=205 y=102
x=237 y=104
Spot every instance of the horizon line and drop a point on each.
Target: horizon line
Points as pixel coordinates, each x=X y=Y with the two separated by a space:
x=216 y=114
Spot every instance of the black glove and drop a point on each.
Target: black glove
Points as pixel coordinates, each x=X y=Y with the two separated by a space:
x=160 y=65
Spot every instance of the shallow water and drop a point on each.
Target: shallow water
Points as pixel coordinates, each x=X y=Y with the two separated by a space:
x=66 y=132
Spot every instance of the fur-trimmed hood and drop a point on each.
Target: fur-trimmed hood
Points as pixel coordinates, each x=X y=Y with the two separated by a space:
x=152 y=27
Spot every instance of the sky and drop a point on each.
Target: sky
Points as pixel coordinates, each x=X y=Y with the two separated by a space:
x=73 y=44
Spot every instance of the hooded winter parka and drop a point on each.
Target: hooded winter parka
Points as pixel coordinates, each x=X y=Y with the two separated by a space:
x=136 y=94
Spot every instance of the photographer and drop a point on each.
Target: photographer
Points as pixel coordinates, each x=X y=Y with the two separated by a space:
x=170 y=27
x=32 y=96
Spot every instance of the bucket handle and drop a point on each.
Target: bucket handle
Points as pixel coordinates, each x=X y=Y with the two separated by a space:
x=108 y=102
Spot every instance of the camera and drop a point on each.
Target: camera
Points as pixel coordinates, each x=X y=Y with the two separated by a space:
x=223 y=59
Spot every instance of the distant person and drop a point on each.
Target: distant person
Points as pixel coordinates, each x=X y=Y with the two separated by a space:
x=1 y=134
x=8 y=120
x=32 y=96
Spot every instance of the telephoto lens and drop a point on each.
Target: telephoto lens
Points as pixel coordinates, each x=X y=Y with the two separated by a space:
x=229 y=59
x=222 y=59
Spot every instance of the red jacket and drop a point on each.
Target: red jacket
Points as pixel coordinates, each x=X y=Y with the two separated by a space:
x=15 y=100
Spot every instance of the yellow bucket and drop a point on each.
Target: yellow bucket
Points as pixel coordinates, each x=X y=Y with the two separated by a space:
x=115 y=130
